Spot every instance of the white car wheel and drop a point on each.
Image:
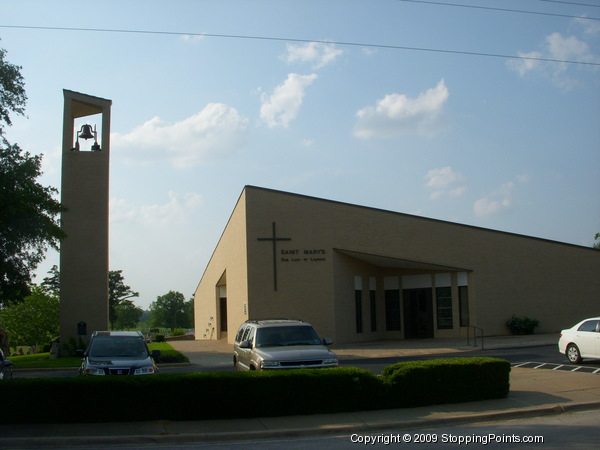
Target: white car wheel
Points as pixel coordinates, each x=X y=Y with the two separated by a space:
x=573 y=354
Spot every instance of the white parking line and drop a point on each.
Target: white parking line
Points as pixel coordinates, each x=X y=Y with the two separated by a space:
x=553 y=366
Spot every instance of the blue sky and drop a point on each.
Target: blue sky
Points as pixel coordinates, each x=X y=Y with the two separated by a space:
x=415 y=120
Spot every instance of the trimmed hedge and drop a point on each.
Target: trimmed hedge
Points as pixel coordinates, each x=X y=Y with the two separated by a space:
x=220 y=395
x=452 y=380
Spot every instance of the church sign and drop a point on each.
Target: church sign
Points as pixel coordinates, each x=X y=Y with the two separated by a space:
x=303 y=255
x=291 y=255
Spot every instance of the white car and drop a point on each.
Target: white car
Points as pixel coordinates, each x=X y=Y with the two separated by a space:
x=581 y=341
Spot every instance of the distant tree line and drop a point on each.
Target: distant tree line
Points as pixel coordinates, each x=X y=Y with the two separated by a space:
x=34 y=320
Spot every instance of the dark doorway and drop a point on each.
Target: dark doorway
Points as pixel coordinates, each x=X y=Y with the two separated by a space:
x=418 y=313
x=223 y=313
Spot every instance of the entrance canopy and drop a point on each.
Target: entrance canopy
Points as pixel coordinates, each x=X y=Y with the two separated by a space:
x=399 y=263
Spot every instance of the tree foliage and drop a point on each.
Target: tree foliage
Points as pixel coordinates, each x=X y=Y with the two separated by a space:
x=33 y=322
x=128 y=316
x=118 y=295
x=171 y=311
x=28 y=210
x=51 y=284
x=12 y=91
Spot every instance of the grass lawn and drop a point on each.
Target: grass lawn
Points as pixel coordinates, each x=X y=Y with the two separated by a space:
x=43 y=361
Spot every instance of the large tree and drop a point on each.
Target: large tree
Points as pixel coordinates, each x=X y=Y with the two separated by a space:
x=51 y=283
x=118 y=295
x=128 y=316
x=32 y=322
x=28 y=211
x=170 y=311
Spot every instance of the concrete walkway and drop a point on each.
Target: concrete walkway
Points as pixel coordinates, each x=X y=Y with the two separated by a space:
x=533 y=393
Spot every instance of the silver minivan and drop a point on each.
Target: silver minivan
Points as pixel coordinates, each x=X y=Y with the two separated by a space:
x=280 y=344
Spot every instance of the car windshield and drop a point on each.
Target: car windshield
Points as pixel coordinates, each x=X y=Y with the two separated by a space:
x=288 y=335
x=117 y=347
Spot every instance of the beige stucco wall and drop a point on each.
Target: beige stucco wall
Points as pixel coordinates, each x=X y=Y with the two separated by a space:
x=553 y=282
x=304 y=280
x=228 y=265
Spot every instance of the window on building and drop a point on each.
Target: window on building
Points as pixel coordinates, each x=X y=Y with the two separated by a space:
x=443 y=297
x=463 y=305
x=373 y=309
x=358 y=308
x=392 y=310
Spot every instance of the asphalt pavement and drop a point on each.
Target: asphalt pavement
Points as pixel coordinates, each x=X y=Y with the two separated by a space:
x=533 y=393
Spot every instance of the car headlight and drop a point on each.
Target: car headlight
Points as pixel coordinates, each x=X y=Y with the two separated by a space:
x=269 y=364
x=93 y=371
x=330 y=361
x=144 y=370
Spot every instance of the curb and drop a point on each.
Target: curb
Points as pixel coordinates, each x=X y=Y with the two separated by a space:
x=163 y=436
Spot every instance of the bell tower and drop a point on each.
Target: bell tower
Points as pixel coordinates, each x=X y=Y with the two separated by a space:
x=84 y=194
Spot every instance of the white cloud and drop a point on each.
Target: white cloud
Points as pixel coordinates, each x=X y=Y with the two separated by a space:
x=317 y=53
x=567 y=48
x=175 y=212
x=445 y=182
x=216 y=131
x=556 y=47
x=282 y=106
x=396 y=114
x=487 y=205
x=121 y=211
x=528 y=62
x=590 y=27
x=498 y=200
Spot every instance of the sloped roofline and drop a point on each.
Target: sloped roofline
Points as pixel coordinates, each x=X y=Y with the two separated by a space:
x=473 y=227
x=319 y=199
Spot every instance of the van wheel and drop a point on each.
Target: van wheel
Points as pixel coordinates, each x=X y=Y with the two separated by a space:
x=252 y=367
x=573 y=354
x=235 y=367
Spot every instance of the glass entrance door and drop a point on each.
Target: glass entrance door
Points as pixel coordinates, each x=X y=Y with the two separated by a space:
x=418 y=313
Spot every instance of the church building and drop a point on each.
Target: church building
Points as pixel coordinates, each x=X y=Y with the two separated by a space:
x=363 y=274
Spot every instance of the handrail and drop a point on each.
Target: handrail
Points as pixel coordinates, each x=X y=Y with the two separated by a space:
x=474 y=336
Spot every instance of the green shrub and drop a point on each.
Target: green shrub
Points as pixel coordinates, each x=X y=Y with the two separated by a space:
x=453 y=380
x=154 y=397
x=171 y=357
x=159 y=338
x=522 y=325
x=275 y=393
x=69 y=348
x=177 y=332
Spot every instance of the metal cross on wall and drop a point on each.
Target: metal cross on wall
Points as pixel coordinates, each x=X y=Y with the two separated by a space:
x=274 y=239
